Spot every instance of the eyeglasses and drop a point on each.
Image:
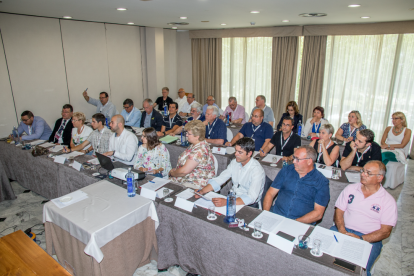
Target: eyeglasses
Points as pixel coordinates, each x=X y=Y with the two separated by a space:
x=25 y=120
x=368 y=173
x=299 y=159
x=102 y=97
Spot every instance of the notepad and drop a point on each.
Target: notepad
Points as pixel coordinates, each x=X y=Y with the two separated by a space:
x=168 y=139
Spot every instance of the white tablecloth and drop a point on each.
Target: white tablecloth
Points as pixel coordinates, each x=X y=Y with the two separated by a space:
x=105 y=214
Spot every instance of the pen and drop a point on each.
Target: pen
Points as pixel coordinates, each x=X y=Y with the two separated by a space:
x=336 y=238
x=151 y=181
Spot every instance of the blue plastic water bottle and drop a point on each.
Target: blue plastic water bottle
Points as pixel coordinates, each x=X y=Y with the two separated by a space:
x=130 y=183
x=300 y=128
x=227 y=119
x=231 y=207
x=165 y=110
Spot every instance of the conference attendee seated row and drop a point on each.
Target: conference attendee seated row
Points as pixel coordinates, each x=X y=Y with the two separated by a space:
x=292 y=111
x=131 y=114
x=195 y=165
x=172 y=122
x=285 y=141
x=216 y=130
x=160 y=102
x=34 y=126
x=197 y=112
x=246 y=173
x=327 y=149
x=260 y=131
x=347 y=131
x=211 y=102
x=80 y=131
x=313 y=124
x=151 y=118
x=185 y=110
x=182 y=98
x=62 y=132
x=103 y=105
x=268 y=112
x=235 y=111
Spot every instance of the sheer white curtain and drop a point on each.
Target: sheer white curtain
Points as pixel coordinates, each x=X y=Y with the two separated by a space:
x=246 y=70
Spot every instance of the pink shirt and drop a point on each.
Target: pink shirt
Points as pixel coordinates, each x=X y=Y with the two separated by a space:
x=237 y=114
x=366 y=215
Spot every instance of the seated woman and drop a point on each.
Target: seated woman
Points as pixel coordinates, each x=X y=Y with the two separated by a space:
x=152 y=155
x=313 y=124
x=347 y=131
x=292 y=111
x=328 y=150
x=196 y=164
x=80 y=131
x=395 y=140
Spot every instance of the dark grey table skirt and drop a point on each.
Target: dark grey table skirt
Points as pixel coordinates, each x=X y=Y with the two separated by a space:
x=6 y=190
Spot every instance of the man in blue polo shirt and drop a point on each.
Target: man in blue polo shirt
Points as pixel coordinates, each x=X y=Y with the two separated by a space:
x=172 y=122
x=216 y=130
x=258 y=130
x=303 y=192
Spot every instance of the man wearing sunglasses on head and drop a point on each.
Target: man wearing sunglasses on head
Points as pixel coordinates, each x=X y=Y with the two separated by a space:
x=303 y=192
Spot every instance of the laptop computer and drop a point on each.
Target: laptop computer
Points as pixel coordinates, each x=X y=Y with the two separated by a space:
x=107 y=163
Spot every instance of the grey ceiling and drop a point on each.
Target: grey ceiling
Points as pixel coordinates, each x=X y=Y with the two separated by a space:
x=234 y=13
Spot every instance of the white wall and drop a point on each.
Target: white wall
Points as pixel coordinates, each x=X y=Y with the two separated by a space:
x=184 y=64
x=155 y=61
x=170 y=62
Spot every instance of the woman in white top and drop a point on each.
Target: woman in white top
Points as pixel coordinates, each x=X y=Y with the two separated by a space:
x=152 y=155
x=313 y=124
x=80 y=131
x=397 y=138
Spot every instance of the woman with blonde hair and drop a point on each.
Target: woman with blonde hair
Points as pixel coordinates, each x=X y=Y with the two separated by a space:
x=347 y=131
x=196 y=164
x=395 y=140
x=327 y=149
x=292 y=111
x=80 y=131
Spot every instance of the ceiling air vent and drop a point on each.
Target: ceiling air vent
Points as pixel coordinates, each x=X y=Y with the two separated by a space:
x=177 y=23
x=313 y=14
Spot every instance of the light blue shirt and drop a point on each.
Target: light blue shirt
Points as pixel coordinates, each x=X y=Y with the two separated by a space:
x=248 y=180
x=147 y=122
x=108 y=110
x=268 y=114
x=132 y=118
x=40 y=129
x=205 y=108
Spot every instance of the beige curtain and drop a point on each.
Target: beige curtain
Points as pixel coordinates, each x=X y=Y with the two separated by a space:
x=206 y=60
x=284 y=68
x=311 y=76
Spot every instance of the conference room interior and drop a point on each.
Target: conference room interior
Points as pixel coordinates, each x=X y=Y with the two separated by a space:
x=343 y=64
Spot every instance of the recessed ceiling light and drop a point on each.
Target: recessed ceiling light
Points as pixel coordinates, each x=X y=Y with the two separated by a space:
x=205 y=21
x=354 y=6
x=285 y=20
x=223 y=24
x=121 y=9
x=130 y=23
x=174 y=27
x=365 y=17
x=67 y=17
x=254 y=12
x=183 y=17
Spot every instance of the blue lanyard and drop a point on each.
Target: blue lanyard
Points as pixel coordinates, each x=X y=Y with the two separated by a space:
x=316 y=129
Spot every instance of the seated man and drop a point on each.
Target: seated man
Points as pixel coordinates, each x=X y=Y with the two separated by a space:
x=150 y=118
x=171 y=122
x=236 y=111
x=357 y=153
x=246 y=173
x=62 y=132
x=132 y=115
x=197 y=112
x=366 y=210
x=34 y=126
x=285 y=141
x=182 y=98
x=216 y=130
x=268 y=112
x=258 y=130
x=104 y=105
x=303 y=192
x=185 y=110
x=98 y=139
x=123 y=144
x=211 y=102
x=163 y=100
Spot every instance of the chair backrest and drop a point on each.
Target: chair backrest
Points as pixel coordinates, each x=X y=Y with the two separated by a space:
x=246 y=116
x=229 y=135
x=215 y=164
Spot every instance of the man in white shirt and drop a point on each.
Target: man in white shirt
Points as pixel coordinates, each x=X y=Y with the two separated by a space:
x=123 y=145
x=104 y=105
x=246 y=173
x=185 y=110
x=182 y=98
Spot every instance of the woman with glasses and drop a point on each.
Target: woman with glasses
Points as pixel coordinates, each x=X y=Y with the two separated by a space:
x=80 y=131
x=328 y=150
x=347 y=131
x=292 y=111
x=195 y=165
x=152 y=155
x=395 y=140
x=313 y=124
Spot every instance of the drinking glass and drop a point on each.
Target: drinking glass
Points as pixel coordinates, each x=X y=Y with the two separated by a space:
x=211 y=213
x=335 y=173
x=303 y=241
x=316 y=248
x=257 y=229
x=165 y=192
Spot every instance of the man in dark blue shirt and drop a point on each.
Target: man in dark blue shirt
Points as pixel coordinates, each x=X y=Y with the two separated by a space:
x=216 y=130
x=261 y=132
x=303 y=190
x=172 y=122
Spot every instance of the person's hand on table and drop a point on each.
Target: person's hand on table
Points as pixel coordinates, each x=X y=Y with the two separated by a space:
x=171 y=172
x=66 y=149
x=57 y=144
x=228 y=144
x=109 y=153
x=261 y=153
x=143 y=169
x=219 y=202
x=83 y=151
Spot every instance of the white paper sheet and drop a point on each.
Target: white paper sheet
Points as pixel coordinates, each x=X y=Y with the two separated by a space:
x=46 y=145
x=37 y=142
x=219 y=150
x=269 y=158
x=60 y=159
x=186 y=194
x=269 y=221
x=155 y=183
x=206 y=203
x=281 y=243
x=326 y=236
x=184 y=204
x=325 y=172
x=71 y=154
x=94 y=161
x=138 y=130
x=147 y=193
x=353 y=177
x=56 y=148
x=76 y=197
x=76 y=165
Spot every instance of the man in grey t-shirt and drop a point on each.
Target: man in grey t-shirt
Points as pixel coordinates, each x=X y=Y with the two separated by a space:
x=268 y=112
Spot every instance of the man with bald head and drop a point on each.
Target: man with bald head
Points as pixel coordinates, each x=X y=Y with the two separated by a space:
x=123 y=145
x=185 y=110
x=211 y=102
x=302 y=191
x=268 y=112
x=182 y=98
